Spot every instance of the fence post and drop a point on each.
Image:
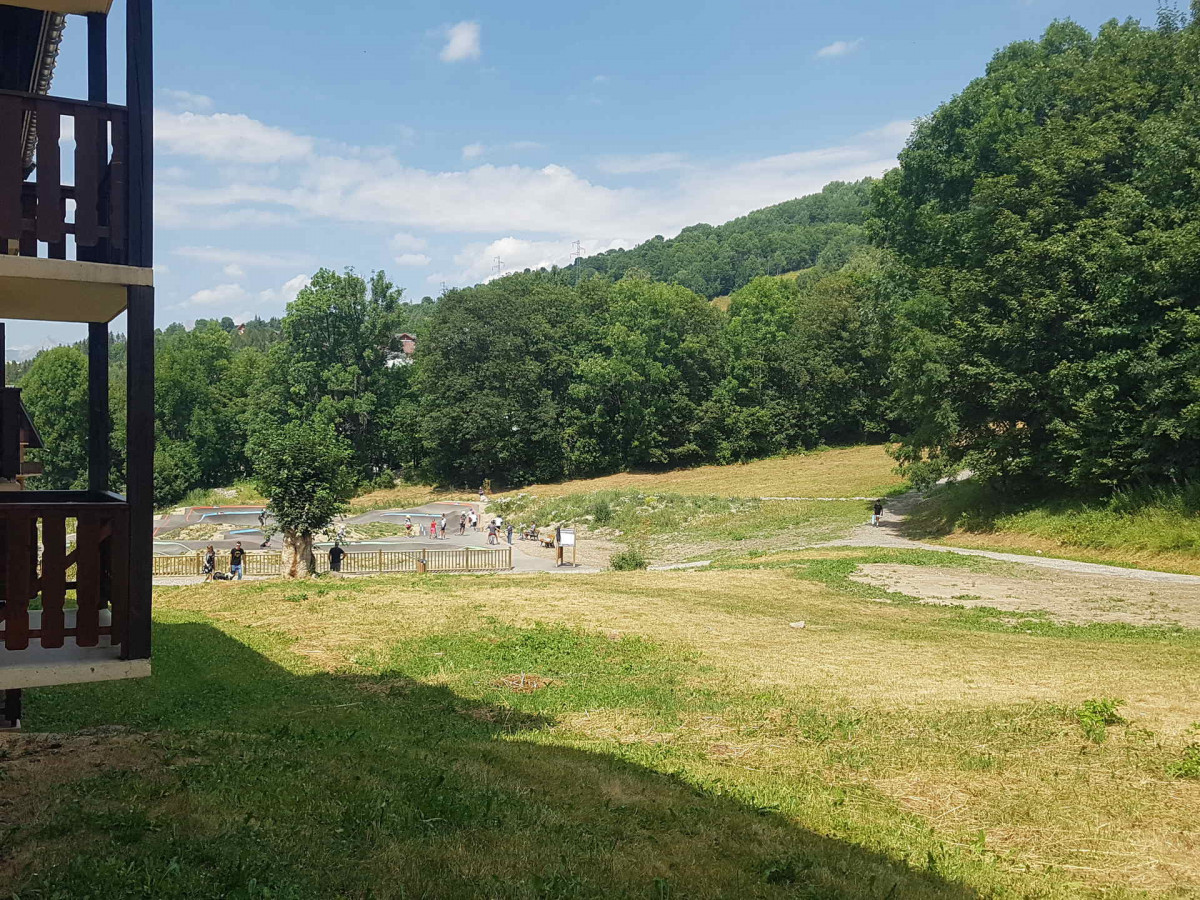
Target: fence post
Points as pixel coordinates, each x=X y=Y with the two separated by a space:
x=380 y=561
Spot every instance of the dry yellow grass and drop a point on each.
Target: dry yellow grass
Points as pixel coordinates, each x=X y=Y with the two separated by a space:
x=843 y=472
x=738 y=620
x=966 y=728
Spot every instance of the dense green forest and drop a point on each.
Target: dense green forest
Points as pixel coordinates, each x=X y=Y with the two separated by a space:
x=821 y=229
x=1021 y=296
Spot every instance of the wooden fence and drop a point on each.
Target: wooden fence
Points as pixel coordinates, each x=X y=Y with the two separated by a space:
x=355 y=562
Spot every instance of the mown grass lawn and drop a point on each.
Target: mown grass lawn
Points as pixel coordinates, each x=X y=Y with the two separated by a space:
x=616 y=735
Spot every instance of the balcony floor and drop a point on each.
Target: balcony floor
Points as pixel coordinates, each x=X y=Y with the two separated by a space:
x=60 y=290
x=68 y=664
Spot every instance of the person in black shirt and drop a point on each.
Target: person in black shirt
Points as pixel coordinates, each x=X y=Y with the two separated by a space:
x=878 y=517
x=335 y=557
x=210 y=563
x=237 y=560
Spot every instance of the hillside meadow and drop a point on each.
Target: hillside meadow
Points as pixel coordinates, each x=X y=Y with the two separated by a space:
x=1148 y=529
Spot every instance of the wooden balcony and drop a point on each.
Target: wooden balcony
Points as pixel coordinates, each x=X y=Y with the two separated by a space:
x=39 y=231
x=40 y=566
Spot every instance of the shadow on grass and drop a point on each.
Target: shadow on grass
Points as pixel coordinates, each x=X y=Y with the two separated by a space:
x=258 y=782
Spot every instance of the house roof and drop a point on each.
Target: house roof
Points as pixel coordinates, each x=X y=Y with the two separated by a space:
x=31 y=39
x=29 y=433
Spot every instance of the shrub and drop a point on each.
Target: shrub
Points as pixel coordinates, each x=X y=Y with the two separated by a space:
x=628 y=560
x=1094 y=717
x=600 y=511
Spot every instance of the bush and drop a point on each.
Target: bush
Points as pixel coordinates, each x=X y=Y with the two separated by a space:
x=1094 y=717
x=628 y=560
x=601 y=512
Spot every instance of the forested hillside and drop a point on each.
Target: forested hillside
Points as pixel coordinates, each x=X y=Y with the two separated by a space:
x=714 y=260
x=1021 y=297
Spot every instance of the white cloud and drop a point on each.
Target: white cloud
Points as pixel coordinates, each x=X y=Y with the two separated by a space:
x=541 y=206
x=462 y=42
x=403 y=242
x=221 y=295
x=233 y=270
x=287 y=292
x=186 y=101
x=473 y=151
x=647 y=162
x=526 y=145
x=242 y=258
x=839 y=48
x=227 y=138
x=413 y=259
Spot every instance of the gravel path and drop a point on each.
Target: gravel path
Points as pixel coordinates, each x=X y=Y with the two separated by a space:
x=887 y=534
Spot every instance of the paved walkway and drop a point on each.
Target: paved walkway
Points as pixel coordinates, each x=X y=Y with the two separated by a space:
x=887 y=534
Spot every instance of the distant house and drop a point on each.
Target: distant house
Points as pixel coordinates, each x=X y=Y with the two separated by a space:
x=407 y=352
x=17 y=434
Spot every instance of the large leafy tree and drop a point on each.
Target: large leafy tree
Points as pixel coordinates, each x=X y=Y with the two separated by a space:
x=55 y=393
x=493 y=365
x=1049 y=216
x=332 y=363
x=639 y=386
x=303 y=469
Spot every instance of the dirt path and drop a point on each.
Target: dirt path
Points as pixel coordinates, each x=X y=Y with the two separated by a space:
x=887 y=534
x=1066 y=597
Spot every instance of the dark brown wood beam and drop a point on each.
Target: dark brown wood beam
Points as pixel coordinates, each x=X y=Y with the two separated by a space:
x=140 y=327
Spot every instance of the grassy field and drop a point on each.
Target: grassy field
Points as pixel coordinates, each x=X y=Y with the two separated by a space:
x=656 y=735
x=864 y=471
x=1152 y=529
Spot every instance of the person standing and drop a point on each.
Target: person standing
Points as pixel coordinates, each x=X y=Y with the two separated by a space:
x=210 y=562
x=510 y=531
x=237 y=560
x=335 y=557
x=433 y=527
x=408 y=526
x=878 y=513
x=462 y=523
x=442 y=526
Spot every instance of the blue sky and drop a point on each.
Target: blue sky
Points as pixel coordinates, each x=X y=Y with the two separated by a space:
x=429 y=138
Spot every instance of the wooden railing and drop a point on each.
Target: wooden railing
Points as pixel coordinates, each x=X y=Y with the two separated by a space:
x=95 y=569
x=355 y=562
x=36 y=211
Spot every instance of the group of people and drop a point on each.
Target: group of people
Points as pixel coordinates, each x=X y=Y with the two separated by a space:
x=438 y=528
x=237 y=564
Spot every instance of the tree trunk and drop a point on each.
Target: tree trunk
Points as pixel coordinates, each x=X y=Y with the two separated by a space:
x=298 y=559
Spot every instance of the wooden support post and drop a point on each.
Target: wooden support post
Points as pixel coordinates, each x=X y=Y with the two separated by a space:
x=99 y=429
x=97 y=57
x=139 y=81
